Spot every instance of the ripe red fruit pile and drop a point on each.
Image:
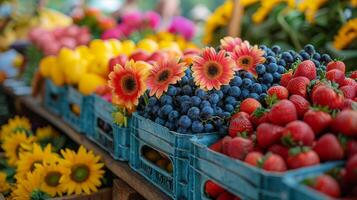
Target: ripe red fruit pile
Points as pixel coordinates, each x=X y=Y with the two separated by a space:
x=216 y=192
x=306 y=121
x=339 y=182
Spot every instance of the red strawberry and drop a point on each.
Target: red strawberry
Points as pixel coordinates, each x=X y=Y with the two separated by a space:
x=336 y=76
x=317 y=120
x=298 y=133
x=285 y=78
x=237 y=198
x=351 y=168
x=298 y=85
x=351 y=148
x=326 y=96
x=217 y=146
x=139 y=55
x=301 y=104
x=345 y=123
x=212 y=189
x=354 y=75
x=225 y=196
x=328 y=148
x=120 y=60
x=225 y=142
x=307 y=69
x=302 y=157
x=259 y=116
x=327 y=185
x=239 y=147
x=282 y=113
x=253 y=158
x=349 y=81
x=339 y=65
x=249 y=105
x=280 y=92
x=239 y=124
x=274 y=162
x=268 y=134
x=348 y=104
x=280 y=150
x=349 y=91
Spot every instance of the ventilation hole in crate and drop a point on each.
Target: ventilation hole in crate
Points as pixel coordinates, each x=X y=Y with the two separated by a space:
x=157 y=158
x=214 y=191
x=75 y=109
x=54 y=97
x=105 y=127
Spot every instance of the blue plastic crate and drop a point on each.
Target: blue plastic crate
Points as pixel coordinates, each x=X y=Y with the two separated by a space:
x=105 y=133
x=74 y=98
x=297 y=191
x=54 y=97
x=241 y=179
x=175 y=146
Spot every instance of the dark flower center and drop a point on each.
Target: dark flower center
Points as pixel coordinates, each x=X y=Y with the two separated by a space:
x=52 y=178
x=80 y=173
x=164 y=75
x=246 y=60
x=212 y=69
x=33 y=164
x=129 y=83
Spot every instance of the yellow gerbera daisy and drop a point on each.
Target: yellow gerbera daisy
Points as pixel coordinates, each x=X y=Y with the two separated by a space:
x=14 y=125
x=50 y=175
x=28 y=159
x=4 y=185
x=25 y=187
x=45 y=133
x=83 y=171
x=13 y=146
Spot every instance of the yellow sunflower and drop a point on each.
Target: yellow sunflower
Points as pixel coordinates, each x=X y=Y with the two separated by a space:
x=13 y=146
x=4 y=185
x=310 y=8
x=27 y=160
x=346 y=35
x=14 y=125
x=83 y=171
x=25 y=187
x=50 y=175
x=266 y=7
x=45 y=133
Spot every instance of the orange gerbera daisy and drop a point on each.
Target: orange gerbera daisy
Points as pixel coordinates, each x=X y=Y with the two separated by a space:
x=212 y=69
x=247 y=57
x=128 y=83
x=164 y=73
x=229 y=43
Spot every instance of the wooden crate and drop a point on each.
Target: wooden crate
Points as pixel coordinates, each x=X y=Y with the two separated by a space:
x=122 y=191
x=103 y=194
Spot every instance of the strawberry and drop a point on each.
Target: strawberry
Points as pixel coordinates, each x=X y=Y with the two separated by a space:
x=351 y=148
x=349 y=81
x=326 y=184
x=225 y=142
x=253 y=158
x=354 y=75
x=306 y=69
x=336 y=76
x=274 y=162
x=212 y=189
x=302 y=157
x=348 y=104
x=285 y=78
x=280 y=150
x=345 y=123
x=268 y=134
x=298 y=85
x=298 y=133
x=326 y=96
x=225 y=196
x=249 y=105
x=349 y=91
x=317 y=120
x=280 y=92
x=239 y=147
x=351 y=168
x=217 y=146
x=240 y=123
x=282 y=113
x=329 y=148
x=339 y=65
x=237 y=198
x=259 y=116
x=301 y=104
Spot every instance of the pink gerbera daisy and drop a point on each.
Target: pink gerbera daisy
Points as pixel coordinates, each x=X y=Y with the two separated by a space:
x=212 y=69
x=247 y=57
x=164 y=73
x=229 y=43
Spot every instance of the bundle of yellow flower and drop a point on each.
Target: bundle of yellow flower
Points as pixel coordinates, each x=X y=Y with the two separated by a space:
x=266 y=7
x=310 y=8
x=346 y=35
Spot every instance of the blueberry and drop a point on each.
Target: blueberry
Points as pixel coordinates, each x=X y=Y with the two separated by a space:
x=260 y=69
x=249 y=75
x=201 y=93
x=247 y=83
x=165 y=99
x=166 y=109
x=181 y=130
x=152 y=101
x=208 y=127
x=276 y=48
x=264 y=87
x=223 y=130
x=281 y=69
x=185 y=98
x=225 y=88
x=264 y=47
x=226 y=114
x=298 y=57
x=272 y=67
x=219 y=122
x=270 y=59
x=287 y=57
x=230 y=100
x=262 y=97
x=197 y=127
x=195 y=101
x=205 y=103
x=188 y=73
x=213 y=98
x=173 y=115
x=326 y=58
x=155 y=109
x=236 y=81
x=172 y=91
x=160 y=121
x=257 y=88
x=281 y=62
x=317 y=63
x=184 y=121
x=187 y=90
x=217 y=111
x=276 y=76
x=206 y=112
x=184 y=80
x=185 y=106
x=229 y=108
x=193 y=113
x=309 y=48
x=270 y=53
x=234 y=91
x=220 y=94
x=170 y=125
x=245 y=93
x=316 y=56
x=304 y=55
x=268 y=78
x=254 y=95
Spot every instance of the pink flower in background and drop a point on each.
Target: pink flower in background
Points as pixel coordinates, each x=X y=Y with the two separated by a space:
x=153 y=19
x=132 y=19
x=183 y=26
x=112 y=33
x=125 y=29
